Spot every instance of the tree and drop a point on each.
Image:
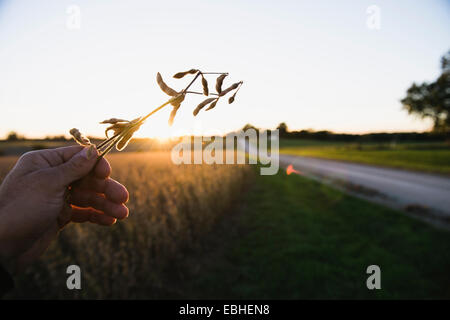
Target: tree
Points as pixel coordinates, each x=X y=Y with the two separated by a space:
x=432 y=100
x=12 y=136
x=283 y=128
x=250 y=126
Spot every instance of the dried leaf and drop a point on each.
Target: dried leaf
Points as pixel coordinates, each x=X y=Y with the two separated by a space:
x=180 y=75
x=219 y=82
x=231 y=99
x=172 y=115
x=176 y=101
x=136 y=120
x=126 y=138
x=212 y=105
x=79 y=137
x=113 y=121
x=124 y=142
x=164 y=87
x=202 y=105
x=205 y=86
x=117 y=128
x=230 y=88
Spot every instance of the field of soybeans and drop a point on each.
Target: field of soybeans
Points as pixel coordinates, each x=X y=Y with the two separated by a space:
x=171 y=208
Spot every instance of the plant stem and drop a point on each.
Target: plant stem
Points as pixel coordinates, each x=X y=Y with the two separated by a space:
x=190 y=84
x=109 y=143
x=106 y=151
x=201 y=93
x=215 y=73
x=155 y=110
x=104 y=142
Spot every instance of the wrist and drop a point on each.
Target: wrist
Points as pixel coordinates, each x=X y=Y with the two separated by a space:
x=6 y=279
x=7 y=255
x=9 y=264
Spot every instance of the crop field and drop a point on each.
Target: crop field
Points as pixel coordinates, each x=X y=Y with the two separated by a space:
x=171 y=207
x=428 y=157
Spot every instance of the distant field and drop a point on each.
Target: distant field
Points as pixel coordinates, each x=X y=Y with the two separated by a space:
x=8 y=148
x=15 y=148
x=428 y=157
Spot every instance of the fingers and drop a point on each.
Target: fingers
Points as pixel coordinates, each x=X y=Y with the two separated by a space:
x=76 y=167
x=95 y=181
x=89 y=199
x=102 y=169
x=65 y=153
x=80 y=215
x=70 y=156
x=113 y=190
x=95 y=198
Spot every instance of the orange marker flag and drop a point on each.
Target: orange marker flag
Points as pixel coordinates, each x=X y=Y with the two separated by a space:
x=290 y=169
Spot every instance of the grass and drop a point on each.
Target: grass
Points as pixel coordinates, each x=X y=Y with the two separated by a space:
x=298 y=239
x=428 y=157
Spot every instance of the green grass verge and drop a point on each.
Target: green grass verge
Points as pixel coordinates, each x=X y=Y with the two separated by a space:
x=302 y=239
x=414 y=156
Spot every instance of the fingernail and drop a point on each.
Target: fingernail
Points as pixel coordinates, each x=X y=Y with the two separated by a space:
x=91 y=152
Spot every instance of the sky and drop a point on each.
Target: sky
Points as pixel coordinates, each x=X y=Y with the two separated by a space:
x=320 y=65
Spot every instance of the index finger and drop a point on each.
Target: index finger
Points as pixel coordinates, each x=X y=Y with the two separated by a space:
x=95 y=180
x=102 y=169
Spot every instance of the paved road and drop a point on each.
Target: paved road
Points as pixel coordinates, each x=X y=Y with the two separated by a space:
x=398 y=188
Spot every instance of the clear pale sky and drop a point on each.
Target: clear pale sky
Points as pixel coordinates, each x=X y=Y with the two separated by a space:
x=311 y=64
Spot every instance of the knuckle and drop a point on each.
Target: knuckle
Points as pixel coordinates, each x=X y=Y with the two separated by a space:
x=77 y=163
x=27 y=157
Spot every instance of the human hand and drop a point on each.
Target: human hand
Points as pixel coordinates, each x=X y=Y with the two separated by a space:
x=47 y=189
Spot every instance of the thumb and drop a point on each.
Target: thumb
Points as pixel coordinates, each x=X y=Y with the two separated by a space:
x=78 y=166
